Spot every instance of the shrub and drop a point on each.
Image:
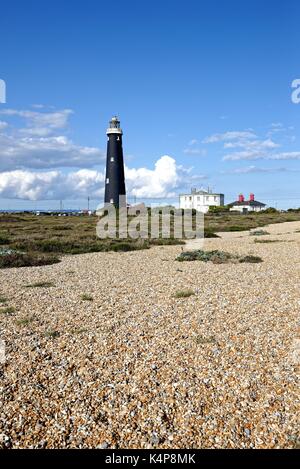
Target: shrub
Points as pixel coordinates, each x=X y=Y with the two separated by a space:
x=259 y=233
x=218 y=209
x=209 y=233
x=205 y=256
x=19 y=259
x=236 y=228
x=251 y=259
x=216 y=257
x=4 y=239
x=269 y=210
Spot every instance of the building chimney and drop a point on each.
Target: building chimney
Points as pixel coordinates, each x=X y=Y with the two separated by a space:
x=252 y=198
x=241 y=198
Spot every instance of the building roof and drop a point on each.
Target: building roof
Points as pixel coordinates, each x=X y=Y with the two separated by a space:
x=250 y=203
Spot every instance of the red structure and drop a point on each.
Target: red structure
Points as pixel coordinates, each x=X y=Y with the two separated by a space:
x=241 y=198
x=252 y=198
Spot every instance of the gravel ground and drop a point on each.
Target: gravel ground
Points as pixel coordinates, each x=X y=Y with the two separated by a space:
x=137 y=367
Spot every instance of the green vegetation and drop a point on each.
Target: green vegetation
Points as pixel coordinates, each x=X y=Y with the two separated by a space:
x=27 y=240
x=25 y=321
x=21 y=259
x=40 y=285
x=265 y=241
x=8 y=311
x=4 y=239
x=52 y=334
x=3 y=300
x=201 y=340
x=251 y=259
x=86 y=297
x=184 y=294
x=205 y=256
x=218 y=209
x=259 y=233
x=216 y=257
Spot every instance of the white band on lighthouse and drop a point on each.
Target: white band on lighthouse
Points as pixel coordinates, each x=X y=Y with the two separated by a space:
x=114 y=131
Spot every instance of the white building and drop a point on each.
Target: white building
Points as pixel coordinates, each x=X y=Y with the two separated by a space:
x=200 y=200
x=244 y=206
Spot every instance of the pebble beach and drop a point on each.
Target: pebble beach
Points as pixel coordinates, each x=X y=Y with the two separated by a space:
x=106 y=356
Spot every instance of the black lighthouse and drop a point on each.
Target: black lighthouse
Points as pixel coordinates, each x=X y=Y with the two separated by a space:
x=115 y=191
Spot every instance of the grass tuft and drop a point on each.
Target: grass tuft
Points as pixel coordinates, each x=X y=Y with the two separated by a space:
x=52 y=334
x=201 y=340
x=25 y=321
x=40 y=285
x=86 y=297
x=184 y=293
x=8 y=311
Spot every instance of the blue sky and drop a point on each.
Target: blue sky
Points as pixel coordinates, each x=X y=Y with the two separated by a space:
x=202 y=88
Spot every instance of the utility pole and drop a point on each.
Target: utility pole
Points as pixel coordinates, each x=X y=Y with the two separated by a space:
x=89 y=203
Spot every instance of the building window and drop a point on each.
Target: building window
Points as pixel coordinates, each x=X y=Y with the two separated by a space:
x=112 y=159
x=190 y=198
x=216 y=198
x=107 y=181
x=111 y=201
x=198 y=198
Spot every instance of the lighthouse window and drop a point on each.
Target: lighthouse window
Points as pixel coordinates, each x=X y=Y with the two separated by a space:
x=107 y=181
x=112 y=159
x=111 y=201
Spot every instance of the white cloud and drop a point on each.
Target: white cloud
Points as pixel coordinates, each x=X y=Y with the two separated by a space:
x=53 y=185
x=45 y=120
x=158 y=182
x=164 y=180
x=256 y=155
x=288 y=155
x=195 y=151
x=251 y=149
x=227 y=136
x=194 y=141
x=18 y=152
x=3 y=125
x=255 y=169
x=252 y=144
x=41 y=144
x=34 y=162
